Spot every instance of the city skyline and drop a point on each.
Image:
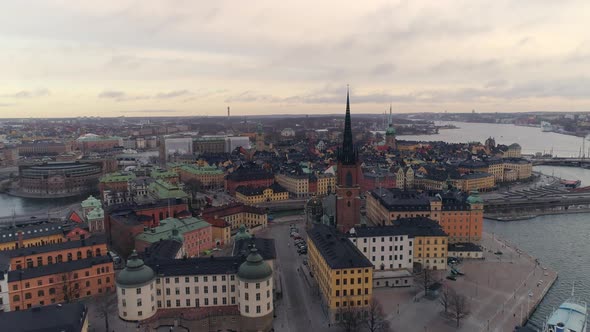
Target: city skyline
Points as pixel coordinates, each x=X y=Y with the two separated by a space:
x=68 y=59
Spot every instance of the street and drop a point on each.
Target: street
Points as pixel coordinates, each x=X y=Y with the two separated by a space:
x=300 y=308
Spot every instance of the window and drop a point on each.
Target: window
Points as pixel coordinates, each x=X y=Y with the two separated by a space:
x=28 y=296
x=257 y=309
x=257 y=296
x=138 y=291
x=187 y=290
x=246 y=297
x=214 y=289
x=233 y=300
x=139 y=302
x=186 y=279
x=223 y=288
x=188 y=302
x=168 y=304
x=178 y=303
x=215 y=301
x=176 y=280
x=16 y=298
x=124 y=303
x=167 y=291
x=337 y=292
x=206 y=289
x=122 y=291
x=177 y=291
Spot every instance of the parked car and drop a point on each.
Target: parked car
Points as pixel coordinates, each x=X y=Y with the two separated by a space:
x=451 y=278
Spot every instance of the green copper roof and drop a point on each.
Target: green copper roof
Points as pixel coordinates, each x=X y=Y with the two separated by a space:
x=91 y=201
x=176 y=235
x=117 y=177
x=193 y=169
x=254 y=268
x=164 y=190
x=162 y=174
x=390 y=131
x=164 y=231
x=97 y=213
x=135 y=273
x=242 y=234
x=474 y=198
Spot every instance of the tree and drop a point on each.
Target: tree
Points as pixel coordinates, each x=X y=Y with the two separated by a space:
x=424 y=279
x=459 y=307
x=193 y=186
x=445 y=297
x=375 y=320
x=350 y=318
x=70 y=289
x=106 y=302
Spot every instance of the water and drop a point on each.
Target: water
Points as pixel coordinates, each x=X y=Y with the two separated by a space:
x=531 y=139
x=21 y=206
x=559 y=241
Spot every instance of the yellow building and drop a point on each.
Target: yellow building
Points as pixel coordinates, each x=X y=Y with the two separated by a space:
x=497 y=169
x=514 y=151
x=208 y=176
x=523 y=168
x=237 y=214
x=344 y=275
x=430 y=242
x=326 y=184
x=297 y=185
x=476 y=181
x=253 y=195
x=31 y=236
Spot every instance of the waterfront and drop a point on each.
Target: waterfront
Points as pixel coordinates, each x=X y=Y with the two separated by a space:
x=531 y=139
x=27 y=206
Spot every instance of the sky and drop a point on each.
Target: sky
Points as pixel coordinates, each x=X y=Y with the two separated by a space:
x=61 y=58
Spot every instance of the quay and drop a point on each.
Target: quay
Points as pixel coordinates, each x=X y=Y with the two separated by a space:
x=502 y=291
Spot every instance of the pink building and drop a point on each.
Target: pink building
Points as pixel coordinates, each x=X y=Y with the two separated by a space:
x=195 y=234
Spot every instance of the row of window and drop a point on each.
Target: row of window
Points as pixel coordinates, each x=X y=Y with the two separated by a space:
x=351 y=303
x=359 y=291
x=58 y=258
x=66 y=278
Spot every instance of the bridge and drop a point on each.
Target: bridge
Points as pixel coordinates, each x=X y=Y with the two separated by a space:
x=570 y=162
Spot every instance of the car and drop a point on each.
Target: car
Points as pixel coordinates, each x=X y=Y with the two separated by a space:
x=531 y=294
x=305 y=262
x=451 y=278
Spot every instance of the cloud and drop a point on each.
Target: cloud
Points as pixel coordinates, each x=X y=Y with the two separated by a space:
x=7 y=104
x=172 y=94
x=150 y=111
x=118 y=95
x=28 y=94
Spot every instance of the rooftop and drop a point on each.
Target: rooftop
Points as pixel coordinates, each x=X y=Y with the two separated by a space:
x=195 y=266
x=117 y=177
x=335 y=248
x=205 y=170
x=67 y=317
x=419 y=226
x=164 y=231
x=256 y=191
x=401 y=200
x=94 y=240
x=266 y=247
x=57 y=268
x=29 y=232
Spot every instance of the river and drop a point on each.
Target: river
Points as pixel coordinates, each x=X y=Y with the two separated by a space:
x=531 y=139
x=21 y=206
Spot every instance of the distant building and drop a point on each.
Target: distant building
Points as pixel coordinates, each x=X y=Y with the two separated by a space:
x=59 y=179
x=513 y=151
x=253 y=195
x=429 y=240
x=250 y=177
x=209 y=144
x=93 y=143
x=194 y=233
x=237 y=214
x=208 y=176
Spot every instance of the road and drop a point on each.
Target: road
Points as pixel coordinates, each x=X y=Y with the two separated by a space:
x=300 y=308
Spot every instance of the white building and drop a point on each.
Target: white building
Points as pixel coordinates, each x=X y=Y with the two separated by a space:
x=390 y=249
x=240 y=289
x=232 y=142
x=288 y=132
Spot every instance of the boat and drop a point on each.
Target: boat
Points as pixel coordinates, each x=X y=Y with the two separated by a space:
x=571 y=183
x=546 y=126
x=571 y=316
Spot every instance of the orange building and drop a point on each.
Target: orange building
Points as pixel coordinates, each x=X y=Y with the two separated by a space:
x=462 y=217
x=60 y=282
x=30 y=236
x=32 y=257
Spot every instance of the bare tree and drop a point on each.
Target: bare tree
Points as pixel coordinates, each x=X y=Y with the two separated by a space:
x=350 y=319
x=70 y=289
x=459 y=307
x=445 y=297
x=375 y=320
x=424 y=279
x=106 y=303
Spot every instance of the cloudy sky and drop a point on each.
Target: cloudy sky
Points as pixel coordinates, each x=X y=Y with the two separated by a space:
x=196 y=57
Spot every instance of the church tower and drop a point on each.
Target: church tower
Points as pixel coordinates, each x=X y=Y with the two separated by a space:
x=259 y=138
x=390 y=133
x=348 y=202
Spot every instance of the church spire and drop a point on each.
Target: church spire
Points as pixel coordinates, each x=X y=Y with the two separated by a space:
x=347 y=154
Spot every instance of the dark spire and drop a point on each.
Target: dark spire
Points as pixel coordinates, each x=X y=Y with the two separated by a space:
x=347 y=153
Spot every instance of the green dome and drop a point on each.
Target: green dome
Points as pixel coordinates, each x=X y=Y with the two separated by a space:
x=242 y=234
x=136 y=273
x=474 y=198
x=390 y=131
x=176 y=235
x=254 y=268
